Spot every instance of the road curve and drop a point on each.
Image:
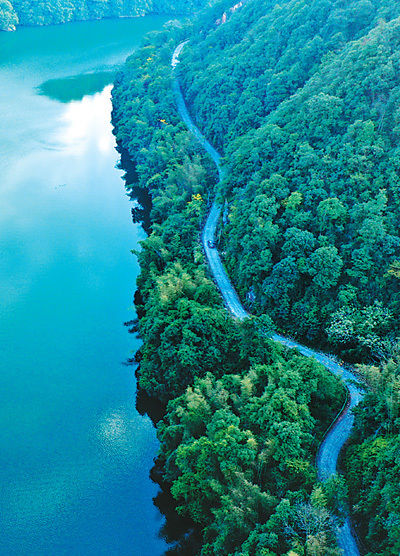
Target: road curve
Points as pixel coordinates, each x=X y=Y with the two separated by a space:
x=340 y=429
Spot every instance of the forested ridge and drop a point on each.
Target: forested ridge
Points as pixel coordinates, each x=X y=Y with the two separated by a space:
x=302 y=97
x=45 y=12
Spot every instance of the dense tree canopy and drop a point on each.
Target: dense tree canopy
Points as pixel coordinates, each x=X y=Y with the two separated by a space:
x=239 y=450
x=244 y=415
x=303 y=99
x=372 y=462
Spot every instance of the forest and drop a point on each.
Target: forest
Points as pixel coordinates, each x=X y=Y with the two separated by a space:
x=243 y=417
x=302 y=100
x=46 y=12
x=311 y=153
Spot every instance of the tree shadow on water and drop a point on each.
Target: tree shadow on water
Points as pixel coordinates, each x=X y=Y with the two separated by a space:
x=67 y=89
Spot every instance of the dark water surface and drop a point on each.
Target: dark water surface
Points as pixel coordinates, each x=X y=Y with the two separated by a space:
x=74 y=453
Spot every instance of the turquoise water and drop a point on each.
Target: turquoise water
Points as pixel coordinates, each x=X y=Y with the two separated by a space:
x=75 y=454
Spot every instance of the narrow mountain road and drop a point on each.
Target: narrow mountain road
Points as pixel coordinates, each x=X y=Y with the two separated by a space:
x=340 y=429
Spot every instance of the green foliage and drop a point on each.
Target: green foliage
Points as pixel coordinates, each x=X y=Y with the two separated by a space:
x=185 y=330
x=367 y=328
x=233 y=447
x=237 y=73
x=302 y=97
x=244 y=415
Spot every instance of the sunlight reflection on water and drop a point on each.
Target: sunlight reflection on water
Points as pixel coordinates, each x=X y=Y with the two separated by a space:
x=86 y=124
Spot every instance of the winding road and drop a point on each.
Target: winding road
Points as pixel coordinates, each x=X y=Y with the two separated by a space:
x=340 y=429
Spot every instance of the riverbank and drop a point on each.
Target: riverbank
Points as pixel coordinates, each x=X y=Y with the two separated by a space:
x=293 y=234
x=244 y=415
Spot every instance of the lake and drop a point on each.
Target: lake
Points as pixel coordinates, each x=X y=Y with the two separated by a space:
x=75 y=453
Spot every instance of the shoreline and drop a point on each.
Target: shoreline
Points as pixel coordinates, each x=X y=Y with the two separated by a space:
x=18 y=26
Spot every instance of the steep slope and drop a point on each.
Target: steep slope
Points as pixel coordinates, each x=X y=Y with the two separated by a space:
x=303 y=99
x=244 y=416
x=307 y=118
x=339 y=433
x=238 y=72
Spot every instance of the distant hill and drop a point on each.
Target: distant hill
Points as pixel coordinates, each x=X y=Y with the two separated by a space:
x=45 y=12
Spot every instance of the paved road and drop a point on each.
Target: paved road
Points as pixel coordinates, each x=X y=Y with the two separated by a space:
x=339 y=432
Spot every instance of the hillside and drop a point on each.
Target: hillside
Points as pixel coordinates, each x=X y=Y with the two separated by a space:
x=372 y=461
x=46 y=12
x=244 y=416
x=307 y=118
x=302 y=98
